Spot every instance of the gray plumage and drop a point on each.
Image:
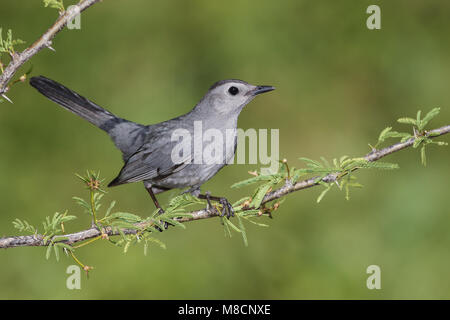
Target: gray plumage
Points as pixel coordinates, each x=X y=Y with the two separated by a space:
x=147 y=149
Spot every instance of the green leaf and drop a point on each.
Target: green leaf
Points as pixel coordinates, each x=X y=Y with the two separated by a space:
x=148 y=240
x=182 y=201
x=48 y=251
x=56 y=249
x=378 y=165
x=252 y=180
x=56 y=220
x=383 y=133
x=130 y=217
x=343 y=158
x=66 y=218
x=65 y=246
x=296 y=174
x=250 y=213
x=226 y=228
x=423 y=156
x=418 y=119
x=24 y=226
x=406 y=137
x=433 y=134
x=231 y=225
x=111 y=206
x=347 y=184
x=407 y=120
x=387 y=133
x=242 y=228
x=351 y=163
x=81 y=202
x=439 y=143
x=259 y=195
x=240 y=201
x=319 y=170
x=127 y=245
x=7 y=46
x=172 y=221
x=325 y=162
x=324 y=192
x=254 y=222
x=311 y=162
x=55 y=4
x=429 y=116
x=121 y=224
x=418 y=141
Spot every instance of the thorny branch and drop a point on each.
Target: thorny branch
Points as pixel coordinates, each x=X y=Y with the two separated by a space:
x=288 y=187
x=45 y=41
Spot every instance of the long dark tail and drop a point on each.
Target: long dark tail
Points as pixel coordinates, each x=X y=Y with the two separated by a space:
x=75 y=103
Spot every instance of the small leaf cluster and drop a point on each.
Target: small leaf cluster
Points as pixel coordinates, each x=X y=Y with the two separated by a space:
x=55 y=4
x=52 y=228
x=420 y=135
x=340 y=172
x=244 y=214
x=144 y=228
x=7 y=45
x=114 y=221
x=268 y=183
x=251 y=206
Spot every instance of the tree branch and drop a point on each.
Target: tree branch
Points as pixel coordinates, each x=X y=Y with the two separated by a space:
x=45 y=41
x=287 y=188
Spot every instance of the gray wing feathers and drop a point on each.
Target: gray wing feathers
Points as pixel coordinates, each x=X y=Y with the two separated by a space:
x=152 y=161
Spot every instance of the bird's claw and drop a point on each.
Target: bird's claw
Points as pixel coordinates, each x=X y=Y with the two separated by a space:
x=165 y=224
x=227 y=208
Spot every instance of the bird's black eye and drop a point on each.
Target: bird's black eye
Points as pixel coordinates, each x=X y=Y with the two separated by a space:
x=233 y=91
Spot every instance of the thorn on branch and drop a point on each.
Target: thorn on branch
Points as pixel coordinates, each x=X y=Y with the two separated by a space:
x=87 y=269
x=287 y=169
x=253 y=173
x=6 y=98
x=49 y=46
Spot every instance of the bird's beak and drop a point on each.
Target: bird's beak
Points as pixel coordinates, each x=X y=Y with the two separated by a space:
x=262 y=89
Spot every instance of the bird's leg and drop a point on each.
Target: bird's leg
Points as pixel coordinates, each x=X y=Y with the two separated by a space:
x=155 y=201
x=207 y=196
x=226 y=205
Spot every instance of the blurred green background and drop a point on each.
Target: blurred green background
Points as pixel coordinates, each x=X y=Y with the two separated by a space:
x=338 y=85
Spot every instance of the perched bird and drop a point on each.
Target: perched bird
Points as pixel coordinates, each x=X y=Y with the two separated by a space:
x=148 y=150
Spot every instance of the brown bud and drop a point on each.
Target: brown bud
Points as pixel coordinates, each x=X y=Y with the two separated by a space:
x=93 y=184
x=87 y=269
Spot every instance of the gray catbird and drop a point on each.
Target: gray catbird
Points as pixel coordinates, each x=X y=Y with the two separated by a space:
x=148 y=150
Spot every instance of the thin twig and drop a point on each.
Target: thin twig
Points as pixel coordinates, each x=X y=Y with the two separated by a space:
x=37 y=240
x=45 y=41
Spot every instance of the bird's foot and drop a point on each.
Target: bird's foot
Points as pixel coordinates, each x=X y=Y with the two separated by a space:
x=164 y=223
x=227 y=208
x=160 y=210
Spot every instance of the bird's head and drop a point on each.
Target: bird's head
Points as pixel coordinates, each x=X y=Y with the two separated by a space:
x=228 y=97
